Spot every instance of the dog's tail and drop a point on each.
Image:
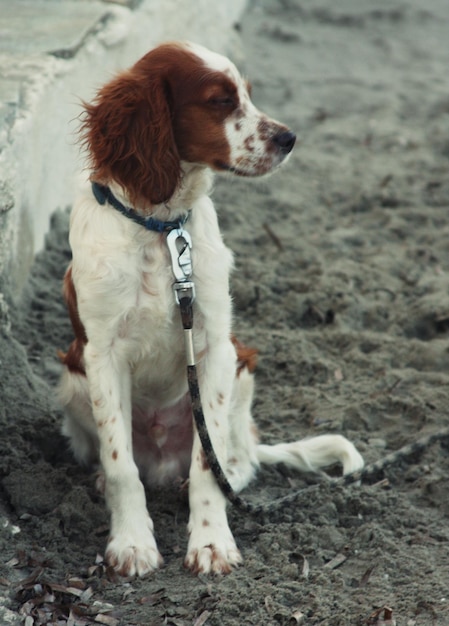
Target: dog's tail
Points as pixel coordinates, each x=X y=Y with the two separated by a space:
x=310 y=455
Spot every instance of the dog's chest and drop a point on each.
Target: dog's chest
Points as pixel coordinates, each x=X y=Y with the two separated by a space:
x=151 y=328
x=148 y=317
x=155 y=278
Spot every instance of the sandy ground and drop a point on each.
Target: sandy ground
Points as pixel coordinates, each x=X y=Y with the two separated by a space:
x=342 y=277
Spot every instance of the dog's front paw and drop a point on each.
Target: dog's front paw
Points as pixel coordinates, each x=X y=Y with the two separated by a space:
x=210 y=553
x=133 y=553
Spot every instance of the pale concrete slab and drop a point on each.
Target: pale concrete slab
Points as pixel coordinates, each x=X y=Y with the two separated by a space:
x=39 y=26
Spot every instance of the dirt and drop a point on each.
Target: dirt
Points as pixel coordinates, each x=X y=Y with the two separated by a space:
x=342 y=283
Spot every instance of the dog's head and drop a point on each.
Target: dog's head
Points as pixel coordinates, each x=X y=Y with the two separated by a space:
x=180 y=102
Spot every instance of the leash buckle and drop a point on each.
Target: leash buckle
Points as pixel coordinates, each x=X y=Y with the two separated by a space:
x=184 y=289
x=179 y=244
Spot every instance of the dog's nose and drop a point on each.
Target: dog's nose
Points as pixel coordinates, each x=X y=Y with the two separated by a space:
x=285 y=141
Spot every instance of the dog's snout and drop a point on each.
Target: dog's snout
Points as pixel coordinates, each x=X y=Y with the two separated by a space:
x=285 y=141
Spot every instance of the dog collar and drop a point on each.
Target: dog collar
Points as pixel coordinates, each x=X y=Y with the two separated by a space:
x=103 y=194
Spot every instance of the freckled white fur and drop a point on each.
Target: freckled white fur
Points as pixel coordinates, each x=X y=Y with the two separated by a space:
x=242 y=128
x=134 y=359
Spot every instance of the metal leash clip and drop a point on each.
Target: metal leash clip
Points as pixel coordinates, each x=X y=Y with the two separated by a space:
x=179 y=244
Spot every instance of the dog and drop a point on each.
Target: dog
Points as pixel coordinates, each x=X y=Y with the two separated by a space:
x=155 y=134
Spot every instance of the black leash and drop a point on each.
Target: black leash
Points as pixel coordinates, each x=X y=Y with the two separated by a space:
x=186 y=308
x=179 y=244
x=179 y=240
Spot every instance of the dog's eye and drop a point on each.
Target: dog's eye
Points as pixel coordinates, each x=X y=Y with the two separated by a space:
x=222 y=102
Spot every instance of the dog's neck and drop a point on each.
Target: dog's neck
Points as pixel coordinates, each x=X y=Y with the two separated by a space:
x=196 y=181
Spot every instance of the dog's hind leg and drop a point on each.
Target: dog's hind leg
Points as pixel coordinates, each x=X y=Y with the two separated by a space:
x=78 y=426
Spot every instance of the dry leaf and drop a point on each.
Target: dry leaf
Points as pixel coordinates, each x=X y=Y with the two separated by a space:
x=102 y=607
x=305 y=568
x=86 y=594
x=366 y=576
x=201 y=620
x=101 y=618
x=297 y=617
x=154 y=598
x=76 y=582
x=382 y=617
x=338 y=560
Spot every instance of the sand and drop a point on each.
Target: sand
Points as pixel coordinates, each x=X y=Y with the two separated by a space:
x=342 y=283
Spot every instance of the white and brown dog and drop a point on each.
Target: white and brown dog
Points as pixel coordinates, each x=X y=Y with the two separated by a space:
x=154 y=134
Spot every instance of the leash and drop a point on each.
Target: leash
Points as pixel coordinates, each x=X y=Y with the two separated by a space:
x=179 y=244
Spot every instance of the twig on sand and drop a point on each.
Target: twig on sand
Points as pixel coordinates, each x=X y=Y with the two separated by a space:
x=275 y=239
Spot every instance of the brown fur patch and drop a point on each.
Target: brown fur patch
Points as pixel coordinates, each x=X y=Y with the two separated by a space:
x=73 y=358
x=246 y=357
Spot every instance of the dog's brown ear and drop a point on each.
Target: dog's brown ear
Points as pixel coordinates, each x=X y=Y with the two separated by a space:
x=129 y=135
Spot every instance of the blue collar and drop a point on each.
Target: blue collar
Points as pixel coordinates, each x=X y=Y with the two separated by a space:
x=103 y=194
